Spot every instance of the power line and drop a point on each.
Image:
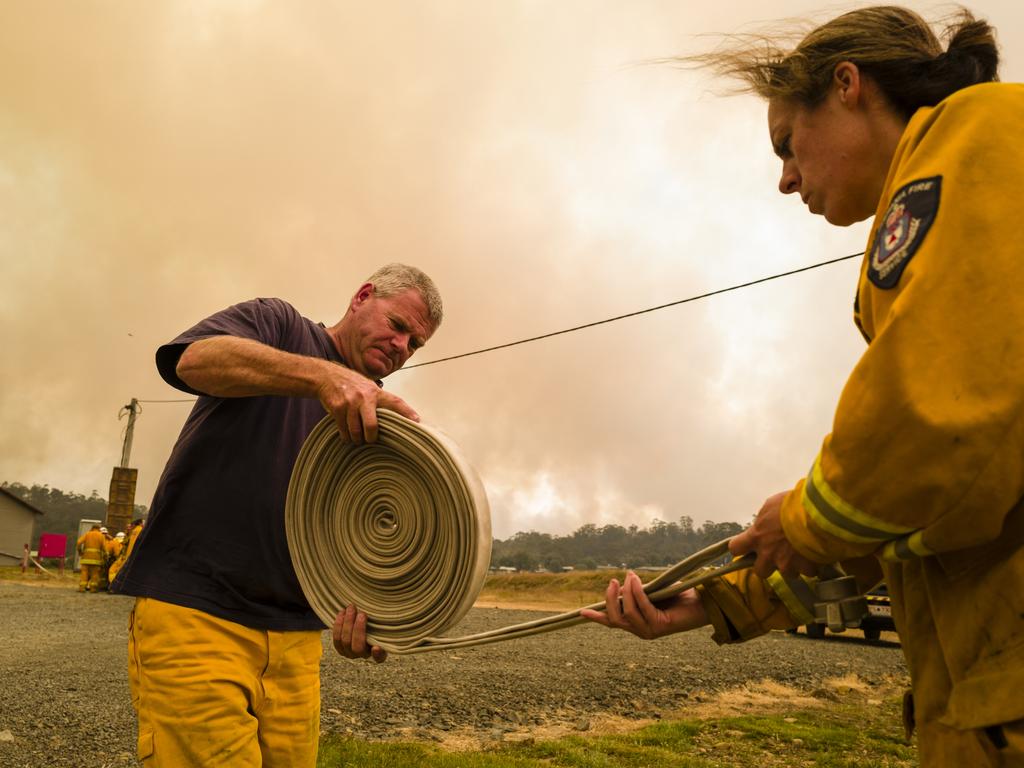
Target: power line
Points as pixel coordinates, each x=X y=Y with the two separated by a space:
x=638 y=312
x=607 y=320
x=185 y=400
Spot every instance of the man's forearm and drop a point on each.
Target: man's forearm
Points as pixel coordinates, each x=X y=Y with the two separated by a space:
x=227 y=366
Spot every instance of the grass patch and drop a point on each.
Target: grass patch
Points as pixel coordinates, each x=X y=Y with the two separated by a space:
x=34 y=576
x=843 y=735
x=566 y=590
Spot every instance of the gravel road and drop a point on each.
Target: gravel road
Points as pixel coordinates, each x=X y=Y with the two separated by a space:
x=64 y=691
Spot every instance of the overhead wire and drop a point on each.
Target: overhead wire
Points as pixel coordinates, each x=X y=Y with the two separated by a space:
x=575 y=328
x=638 y=312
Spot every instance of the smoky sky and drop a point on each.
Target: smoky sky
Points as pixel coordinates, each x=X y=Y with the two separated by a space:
x=159 y=162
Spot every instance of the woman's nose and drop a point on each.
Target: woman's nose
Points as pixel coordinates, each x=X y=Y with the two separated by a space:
x=790 y=179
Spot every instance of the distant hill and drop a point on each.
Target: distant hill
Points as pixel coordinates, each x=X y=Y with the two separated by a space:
x=62 y=510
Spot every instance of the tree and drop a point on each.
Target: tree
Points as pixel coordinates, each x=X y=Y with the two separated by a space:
x=662 y=544
x=524 y=561
x=552 y=562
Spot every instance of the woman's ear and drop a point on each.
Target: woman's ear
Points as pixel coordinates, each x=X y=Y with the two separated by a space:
x=846 y=79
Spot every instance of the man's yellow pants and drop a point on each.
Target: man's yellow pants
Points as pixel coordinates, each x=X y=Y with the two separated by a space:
x=209 y=692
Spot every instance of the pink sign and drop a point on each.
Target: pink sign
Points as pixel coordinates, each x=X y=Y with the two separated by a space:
x=53 y=545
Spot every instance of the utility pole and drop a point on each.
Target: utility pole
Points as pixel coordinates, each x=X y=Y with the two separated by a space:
x=121 y=501
x=133 y=410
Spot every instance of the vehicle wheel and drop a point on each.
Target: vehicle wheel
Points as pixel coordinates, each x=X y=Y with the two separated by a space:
x=817 y=631
x=872 y=633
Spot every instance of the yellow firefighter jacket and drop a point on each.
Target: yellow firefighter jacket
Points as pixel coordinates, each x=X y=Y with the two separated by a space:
x=91 y=546
x=125 y=551
x=924 y=468
x=112 y=549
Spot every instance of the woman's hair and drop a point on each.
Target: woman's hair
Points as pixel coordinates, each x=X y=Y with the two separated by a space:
x=894 y=46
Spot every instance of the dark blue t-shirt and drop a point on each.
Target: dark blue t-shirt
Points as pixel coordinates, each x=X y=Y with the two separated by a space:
x=215 y=537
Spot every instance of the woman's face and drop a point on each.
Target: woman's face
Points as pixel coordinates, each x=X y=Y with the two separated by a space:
x=828 y=157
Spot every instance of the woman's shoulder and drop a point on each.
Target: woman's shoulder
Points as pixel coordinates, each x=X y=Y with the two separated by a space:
x=986 y=96
x=988 y=112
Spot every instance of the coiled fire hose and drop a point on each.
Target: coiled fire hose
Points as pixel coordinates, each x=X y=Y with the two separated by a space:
x=401 y=527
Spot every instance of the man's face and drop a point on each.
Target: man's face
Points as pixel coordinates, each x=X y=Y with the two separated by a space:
x=384 y=332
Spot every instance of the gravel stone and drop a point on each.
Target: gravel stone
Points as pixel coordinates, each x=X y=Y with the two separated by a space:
x=64 y=698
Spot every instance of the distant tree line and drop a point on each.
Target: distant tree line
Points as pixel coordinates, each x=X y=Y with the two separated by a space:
x=586 y=548
x=590 y=546
x=62 y=510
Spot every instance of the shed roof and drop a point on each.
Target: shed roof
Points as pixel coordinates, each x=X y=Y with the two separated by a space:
x=21 y=501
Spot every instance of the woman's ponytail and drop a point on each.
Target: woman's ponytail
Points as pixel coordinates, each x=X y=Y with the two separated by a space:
x=972 y=55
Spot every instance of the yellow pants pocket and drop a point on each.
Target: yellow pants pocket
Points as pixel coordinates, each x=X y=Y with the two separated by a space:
x=145 y=747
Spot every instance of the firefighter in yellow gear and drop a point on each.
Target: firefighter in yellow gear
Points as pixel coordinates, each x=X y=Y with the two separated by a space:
x=111 y=551
x=115 y=545
x=125 y=549
x=90 y=547
x=922 y=477
x=103 y=583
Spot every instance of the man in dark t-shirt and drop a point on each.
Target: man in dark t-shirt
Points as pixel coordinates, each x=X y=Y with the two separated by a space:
x=224 y=649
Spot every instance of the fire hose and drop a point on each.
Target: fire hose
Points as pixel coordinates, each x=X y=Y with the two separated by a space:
x=401 y=528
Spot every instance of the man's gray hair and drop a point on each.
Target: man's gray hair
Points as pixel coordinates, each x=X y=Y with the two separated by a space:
x=395 y=278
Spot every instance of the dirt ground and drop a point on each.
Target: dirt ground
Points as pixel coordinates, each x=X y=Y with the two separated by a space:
x=64 y=692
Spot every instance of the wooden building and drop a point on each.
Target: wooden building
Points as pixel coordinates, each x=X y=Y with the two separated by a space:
x=16 y=520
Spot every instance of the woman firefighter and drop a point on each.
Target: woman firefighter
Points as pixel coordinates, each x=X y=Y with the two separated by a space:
x=923 y=472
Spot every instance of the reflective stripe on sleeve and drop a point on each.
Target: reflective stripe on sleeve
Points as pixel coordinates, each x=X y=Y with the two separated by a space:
x=796 y=594
x=840 y=518
x=906 y=548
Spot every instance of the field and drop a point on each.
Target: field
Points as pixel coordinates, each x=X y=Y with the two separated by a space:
x=547 y=591
x=583 y=697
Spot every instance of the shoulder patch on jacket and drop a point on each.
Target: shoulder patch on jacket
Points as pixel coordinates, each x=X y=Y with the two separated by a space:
x=901 y=233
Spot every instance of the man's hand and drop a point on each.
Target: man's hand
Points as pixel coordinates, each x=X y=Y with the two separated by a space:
x=353 y=400
x=349 y=633
x=767 y=539
x=637 y=614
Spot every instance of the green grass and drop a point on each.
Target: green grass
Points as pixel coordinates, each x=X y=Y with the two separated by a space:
x=845 y=735
x=561 y=590
x=35 y=576
x=584 y=581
